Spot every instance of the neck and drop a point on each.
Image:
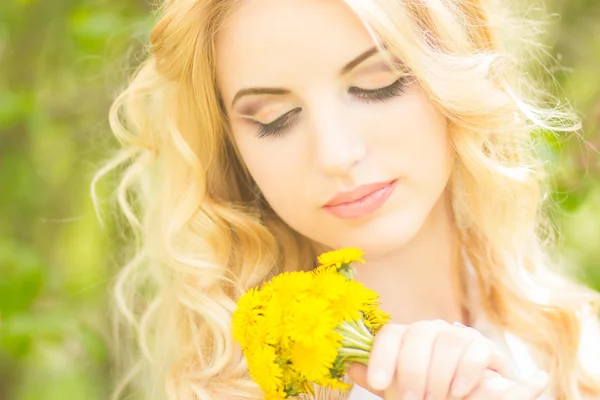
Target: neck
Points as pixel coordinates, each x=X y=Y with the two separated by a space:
x=418 y=280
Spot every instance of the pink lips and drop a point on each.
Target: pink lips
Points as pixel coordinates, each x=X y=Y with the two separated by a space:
x=361 y=201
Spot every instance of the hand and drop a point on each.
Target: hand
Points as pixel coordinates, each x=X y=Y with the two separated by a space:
x=495 y=387
x=433 y=360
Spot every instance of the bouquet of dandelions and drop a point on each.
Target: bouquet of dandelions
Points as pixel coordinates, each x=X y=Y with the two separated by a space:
x=301 y=327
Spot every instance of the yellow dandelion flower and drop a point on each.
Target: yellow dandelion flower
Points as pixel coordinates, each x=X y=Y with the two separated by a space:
x=265 y=292
x=310 y=320
x=245 y=318
x=342 y=256
x=257 y=336
x=308 y=387
x=352 y=300
x=275 y=396
x=332 y=383
x=374 y=318
x=324 y=269
x=290 y=374
x=295 y=383
x=329 y=285
x=264 y=369
x=314 y=360
x=274 y=323
x=290 y=286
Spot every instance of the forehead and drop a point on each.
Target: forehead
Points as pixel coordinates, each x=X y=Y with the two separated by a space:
x=265 y=41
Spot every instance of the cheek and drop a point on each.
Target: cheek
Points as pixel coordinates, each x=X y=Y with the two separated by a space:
x=276 y=166
x=412 y=135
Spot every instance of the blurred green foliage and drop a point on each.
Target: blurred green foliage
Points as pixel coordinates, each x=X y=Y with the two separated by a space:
x=61 y=63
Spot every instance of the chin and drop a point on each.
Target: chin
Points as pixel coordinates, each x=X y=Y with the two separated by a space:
x=386 y=233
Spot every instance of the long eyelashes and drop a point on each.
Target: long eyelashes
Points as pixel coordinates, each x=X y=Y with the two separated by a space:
x=379 y=95
x=279 y=125
x=283 y=123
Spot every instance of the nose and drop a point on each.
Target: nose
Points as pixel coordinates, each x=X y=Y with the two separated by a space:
x=337 y=141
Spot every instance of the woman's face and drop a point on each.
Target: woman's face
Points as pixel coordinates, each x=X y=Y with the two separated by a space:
x=316 y=111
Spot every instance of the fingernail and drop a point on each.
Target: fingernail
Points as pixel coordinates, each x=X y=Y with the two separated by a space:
x=377 y=380
x=410 y=396
x=459 y=387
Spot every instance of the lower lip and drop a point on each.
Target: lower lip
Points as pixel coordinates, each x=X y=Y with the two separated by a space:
x=363 y=206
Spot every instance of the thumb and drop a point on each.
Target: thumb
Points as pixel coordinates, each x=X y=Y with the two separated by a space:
x=358 y=373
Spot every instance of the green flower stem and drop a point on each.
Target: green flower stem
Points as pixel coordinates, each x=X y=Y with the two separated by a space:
x=353 y=344
x=356 y=342
x=361 y=360
x=346 y=270
x=360 y=326
x=352 y=331
x=344 y=352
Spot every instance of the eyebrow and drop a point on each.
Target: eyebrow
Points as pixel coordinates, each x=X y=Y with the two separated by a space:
x=282 y=91
x=354 y=63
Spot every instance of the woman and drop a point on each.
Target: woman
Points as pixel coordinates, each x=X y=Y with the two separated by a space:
x=260 y=133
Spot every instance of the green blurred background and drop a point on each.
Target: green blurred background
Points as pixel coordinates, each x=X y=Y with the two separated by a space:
x=61 y=63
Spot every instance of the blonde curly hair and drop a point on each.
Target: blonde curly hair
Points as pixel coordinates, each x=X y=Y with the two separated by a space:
x=204 y=234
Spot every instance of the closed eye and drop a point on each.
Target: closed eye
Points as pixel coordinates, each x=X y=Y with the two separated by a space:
x=279 y=125
x=381 y=94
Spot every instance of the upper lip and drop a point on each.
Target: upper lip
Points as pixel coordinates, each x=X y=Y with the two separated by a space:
x=355 y=194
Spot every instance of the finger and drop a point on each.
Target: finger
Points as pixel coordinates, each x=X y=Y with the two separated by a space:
x=480 y=355
x=358 y=373
x=492 y=388
x=500 y=388
x=531 y=389
x=448 y=349
x=498 y=362
x=415 y=357
x=384 y=353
